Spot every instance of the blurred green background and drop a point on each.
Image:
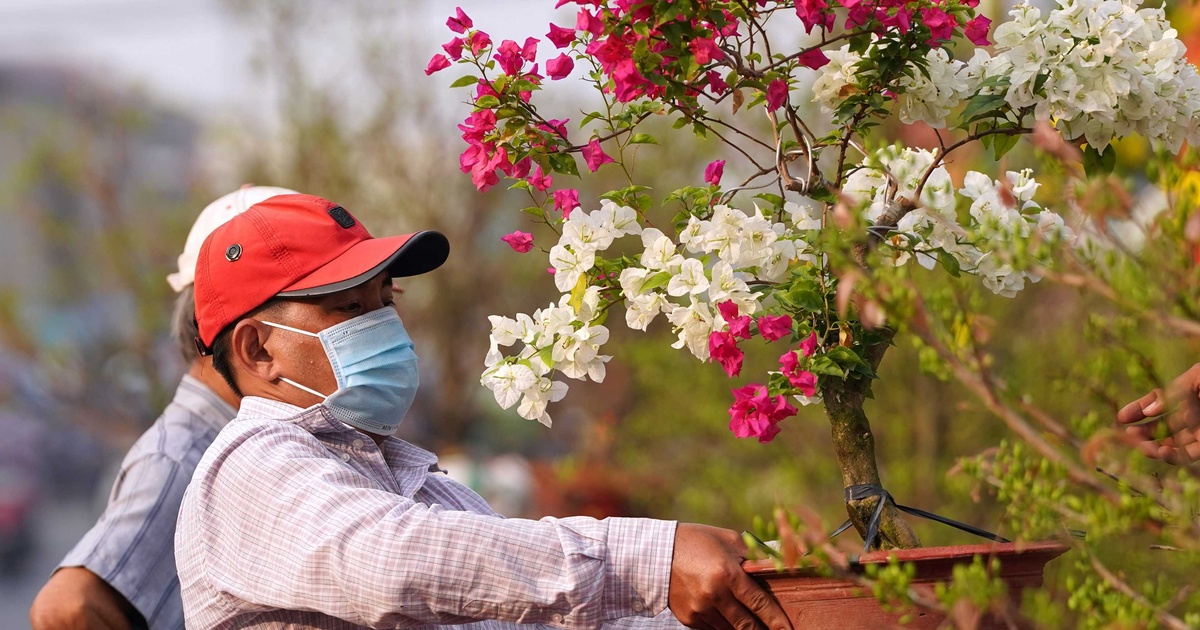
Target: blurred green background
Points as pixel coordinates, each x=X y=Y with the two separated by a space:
x=121 y=119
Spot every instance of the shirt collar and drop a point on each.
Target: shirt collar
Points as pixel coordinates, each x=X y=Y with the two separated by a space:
x=203 y=402
x=321 y=424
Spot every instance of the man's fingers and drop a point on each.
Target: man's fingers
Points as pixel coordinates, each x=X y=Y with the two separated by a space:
x=738 y=616
x=1139 y=409
x=762 y=604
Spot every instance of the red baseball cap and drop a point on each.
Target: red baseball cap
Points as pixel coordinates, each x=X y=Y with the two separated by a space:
x=297 y=246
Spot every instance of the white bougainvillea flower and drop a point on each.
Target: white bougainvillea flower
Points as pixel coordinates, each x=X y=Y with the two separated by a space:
x=689 y=281
x=508 y=381
x=693 y=324
x=640 y=310
x=805 y=215
x=537 y=397
x=659 y=254
x=727 y=285
x=570 y=264
x=617 y=219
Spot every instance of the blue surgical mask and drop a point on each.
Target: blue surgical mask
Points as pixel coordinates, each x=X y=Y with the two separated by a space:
x=376 y=370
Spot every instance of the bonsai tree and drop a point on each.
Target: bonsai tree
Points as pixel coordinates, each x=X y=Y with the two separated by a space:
x=809 y=240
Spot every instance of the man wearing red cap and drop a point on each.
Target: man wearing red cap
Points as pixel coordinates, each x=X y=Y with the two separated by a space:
x=306 y=512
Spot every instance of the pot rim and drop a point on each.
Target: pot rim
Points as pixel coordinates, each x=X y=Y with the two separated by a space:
x=1050 y=549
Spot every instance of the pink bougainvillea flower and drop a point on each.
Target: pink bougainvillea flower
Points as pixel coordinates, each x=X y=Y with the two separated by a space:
x=755 y=413
x=773 y=327
x=518 y=170
x=454 y=48
x=811 y=13
x=803 y=380
x=714 y=171
x=739 y=326
x=479 y=41
x=560 y=36
x=977 y=30
x=716 y=83
x=814 y=59
x=940 y=24
x=483 y=171
x=560 y=67
x=439 y=62
x=777 y=93
x=529 y=49
x=508 y=55
x=594 y=155
x=704 y=49
x=539 y=180
x=722 y=348
x=521 y=242
x=586 y=21
x=566 y=200
x=459 y=22
x=809 y=346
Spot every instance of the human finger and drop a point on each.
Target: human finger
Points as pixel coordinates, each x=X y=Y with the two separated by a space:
x=1136 y=411
x=738 y=616
x=765 y=608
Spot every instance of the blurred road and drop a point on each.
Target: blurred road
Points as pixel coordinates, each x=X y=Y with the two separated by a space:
x=57 y=527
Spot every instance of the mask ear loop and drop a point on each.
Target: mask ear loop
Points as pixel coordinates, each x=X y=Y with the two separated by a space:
x=295 y=330
x=288 y=380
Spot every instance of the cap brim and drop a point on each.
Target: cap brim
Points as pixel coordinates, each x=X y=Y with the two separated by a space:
x=400 y=256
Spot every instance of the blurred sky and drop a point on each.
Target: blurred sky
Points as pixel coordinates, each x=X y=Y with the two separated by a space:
x=195 y=54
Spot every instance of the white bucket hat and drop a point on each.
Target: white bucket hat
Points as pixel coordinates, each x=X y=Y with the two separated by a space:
x=212 y=217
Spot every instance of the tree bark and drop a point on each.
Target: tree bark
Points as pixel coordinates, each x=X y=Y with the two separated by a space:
x=854 y=445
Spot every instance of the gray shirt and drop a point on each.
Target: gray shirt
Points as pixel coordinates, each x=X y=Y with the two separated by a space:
x=132 y=545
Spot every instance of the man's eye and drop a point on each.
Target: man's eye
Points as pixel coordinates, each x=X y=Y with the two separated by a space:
x=353 y=306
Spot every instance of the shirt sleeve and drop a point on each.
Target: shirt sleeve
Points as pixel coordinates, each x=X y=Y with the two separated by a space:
x=130 y=546
x=285 y=526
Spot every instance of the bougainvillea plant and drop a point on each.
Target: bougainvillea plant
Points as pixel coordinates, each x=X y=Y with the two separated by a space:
x=797 y=251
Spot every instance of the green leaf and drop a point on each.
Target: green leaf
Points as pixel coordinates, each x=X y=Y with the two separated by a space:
x=564 y=163
x=535 y=211
x=642 y=138
x=847 y=358
x=464 y=81
x=981 y=105
x=949 y=263
x=547 y=355
x=822 y=365
x=1096 y=163
x=487 y=101
x=659 y=279
x=1004 y=143
x=589 y=118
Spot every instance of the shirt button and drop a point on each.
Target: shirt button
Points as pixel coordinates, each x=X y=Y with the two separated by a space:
x=639 y=605
x=357 y=443
x=557 y=618
x=345 y=457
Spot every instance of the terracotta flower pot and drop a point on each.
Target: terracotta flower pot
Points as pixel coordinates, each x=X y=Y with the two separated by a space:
x=815 y=601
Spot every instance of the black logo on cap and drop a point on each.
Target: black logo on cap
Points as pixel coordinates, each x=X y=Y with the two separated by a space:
x=233 y=252
x=342 y=217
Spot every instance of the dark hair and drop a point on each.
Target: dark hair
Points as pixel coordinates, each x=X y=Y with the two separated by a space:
x=222 y=347
x=183 y=324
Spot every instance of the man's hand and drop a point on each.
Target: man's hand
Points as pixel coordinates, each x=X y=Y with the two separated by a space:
x=76 y=599
x=1173 y=434
x=710 y=590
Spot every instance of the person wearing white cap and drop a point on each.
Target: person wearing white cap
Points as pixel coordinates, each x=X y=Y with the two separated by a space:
x=122 y=573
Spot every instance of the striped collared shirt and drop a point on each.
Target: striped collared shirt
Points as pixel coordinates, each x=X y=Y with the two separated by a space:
x=295 y=519
x=130 y=547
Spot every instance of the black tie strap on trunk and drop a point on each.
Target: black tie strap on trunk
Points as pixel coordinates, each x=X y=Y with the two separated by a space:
x=868 y=490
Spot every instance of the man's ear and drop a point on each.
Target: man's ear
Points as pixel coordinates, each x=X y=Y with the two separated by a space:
x=250 y=354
